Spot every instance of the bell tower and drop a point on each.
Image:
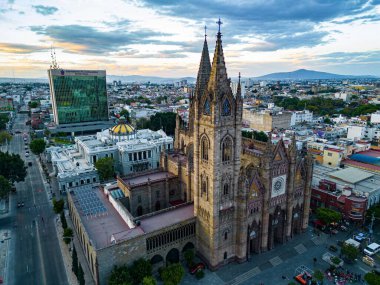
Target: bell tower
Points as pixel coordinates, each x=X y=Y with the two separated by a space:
x=217 y=148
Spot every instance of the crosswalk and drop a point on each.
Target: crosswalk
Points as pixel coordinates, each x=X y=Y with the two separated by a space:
x=244 y=277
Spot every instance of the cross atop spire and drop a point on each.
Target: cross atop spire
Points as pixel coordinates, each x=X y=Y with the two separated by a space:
x=219 y=24
x=205 y=31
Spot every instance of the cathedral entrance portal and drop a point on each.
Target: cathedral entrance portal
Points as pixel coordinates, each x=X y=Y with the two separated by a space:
x=254 y=235
x=172 y=256
x=277 y=226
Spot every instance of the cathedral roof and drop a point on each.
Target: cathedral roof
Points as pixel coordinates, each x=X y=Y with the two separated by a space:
x=203 y=72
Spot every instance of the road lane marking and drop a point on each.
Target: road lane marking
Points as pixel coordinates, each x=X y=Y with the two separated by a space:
x=40 y=254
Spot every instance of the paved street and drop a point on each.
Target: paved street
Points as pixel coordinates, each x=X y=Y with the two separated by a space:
x=34 y=255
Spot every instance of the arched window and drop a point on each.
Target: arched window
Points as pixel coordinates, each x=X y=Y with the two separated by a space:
x=226 y=108
x=225 y=235
x=225 y=189
x=204 y=148
x=204 y=187
x=207 y=107
x=227 y=150
x=225 y=255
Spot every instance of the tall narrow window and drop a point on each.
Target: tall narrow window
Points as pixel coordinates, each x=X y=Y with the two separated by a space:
x=226 y=108
x=225 y=189
x=207 y=107
x=227 y=149
x=204 y=148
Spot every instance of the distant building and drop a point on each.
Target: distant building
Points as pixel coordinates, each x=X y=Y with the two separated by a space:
x=266 y=120
x=326 y=195
x=375 y=118
x=299 y=117
x=79 y=100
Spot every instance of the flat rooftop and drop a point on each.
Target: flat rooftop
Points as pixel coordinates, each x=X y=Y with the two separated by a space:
x=351 y=175
x=167 y=218
x=144 y=178
x=97 y=214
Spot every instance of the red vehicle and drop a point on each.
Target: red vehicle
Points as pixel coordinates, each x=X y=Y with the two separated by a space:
x=197 y=267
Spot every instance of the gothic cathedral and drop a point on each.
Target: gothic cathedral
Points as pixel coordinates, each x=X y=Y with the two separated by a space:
x=248 y=195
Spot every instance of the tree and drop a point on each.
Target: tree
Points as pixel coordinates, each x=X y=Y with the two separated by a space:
x=58 y=205
x=4 y=119
x=328 y=216
x=37 y=146
x=120 y=276
x=81 y=275
x=5 y=187
x=126 y=115
x=5 y=137
x=74 y=266
x=148 y=280
x=140 y=269
x=327 y=121
x=350 y=251
x=33 y=104
x=105 y=168
x=318 y=275
x=372 y=278
x=165 y=121
x=67 y=235
x=12 y=167
x=63 y=220
x=172 y=275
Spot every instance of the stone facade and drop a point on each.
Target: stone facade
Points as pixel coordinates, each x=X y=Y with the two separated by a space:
x=248 y=195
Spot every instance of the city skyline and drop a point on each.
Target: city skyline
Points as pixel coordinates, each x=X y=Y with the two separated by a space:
x=159 y=38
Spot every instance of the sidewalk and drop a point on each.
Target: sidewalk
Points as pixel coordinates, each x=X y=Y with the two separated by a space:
x=81 y=258
x=4 y=248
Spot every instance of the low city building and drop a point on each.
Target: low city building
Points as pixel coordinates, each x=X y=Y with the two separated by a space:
x=266 y=120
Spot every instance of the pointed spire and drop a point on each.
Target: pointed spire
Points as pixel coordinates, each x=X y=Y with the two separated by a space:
x=238 y=91
x=204 y=70
x=218 y=69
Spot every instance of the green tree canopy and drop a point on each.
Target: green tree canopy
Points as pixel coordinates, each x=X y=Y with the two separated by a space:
x=328 y=216
x=67 y=235
x=141 y=268
x=58 y=205
x=318 y=275
x=5 y=186
x=4 y=119
x=12 y=167
x=165 y=120
x=105 y=168
x=5 y=137
x=33 y=104
x=37 y=146
x=149 y=280
x=74 y=265
x=349 y=251
x=372 y=278
x=120 y=276
x=126 y=115
x=173 y=274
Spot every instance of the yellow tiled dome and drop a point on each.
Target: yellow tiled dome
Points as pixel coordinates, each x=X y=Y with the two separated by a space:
x=122 y=129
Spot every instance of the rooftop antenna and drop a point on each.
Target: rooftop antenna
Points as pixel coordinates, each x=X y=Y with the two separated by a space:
x=54 y=64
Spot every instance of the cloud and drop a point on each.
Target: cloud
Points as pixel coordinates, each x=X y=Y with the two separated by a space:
x=20 y=48
x=78 y=38
x=351 y=57
x=272 y=21
x=45 y=10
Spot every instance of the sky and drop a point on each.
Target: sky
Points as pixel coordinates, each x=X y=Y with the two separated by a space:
x=165 y=38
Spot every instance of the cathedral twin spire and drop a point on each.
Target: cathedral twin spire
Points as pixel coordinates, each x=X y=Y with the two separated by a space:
x=212 y=77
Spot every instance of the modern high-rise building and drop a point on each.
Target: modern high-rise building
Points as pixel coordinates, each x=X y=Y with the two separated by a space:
x=79 y=99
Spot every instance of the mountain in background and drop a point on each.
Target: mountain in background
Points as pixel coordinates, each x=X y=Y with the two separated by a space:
x=304 y=74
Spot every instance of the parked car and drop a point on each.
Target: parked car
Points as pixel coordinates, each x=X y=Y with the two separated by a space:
x=197 y=267
x=360 y=237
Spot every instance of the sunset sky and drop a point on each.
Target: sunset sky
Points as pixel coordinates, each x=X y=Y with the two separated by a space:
x=164 y=38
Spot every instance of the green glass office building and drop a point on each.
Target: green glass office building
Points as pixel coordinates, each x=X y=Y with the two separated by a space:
x=78 y=96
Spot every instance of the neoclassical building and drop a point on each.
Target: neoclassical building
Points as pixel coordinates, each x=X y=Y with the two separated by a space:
x=225 y=196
